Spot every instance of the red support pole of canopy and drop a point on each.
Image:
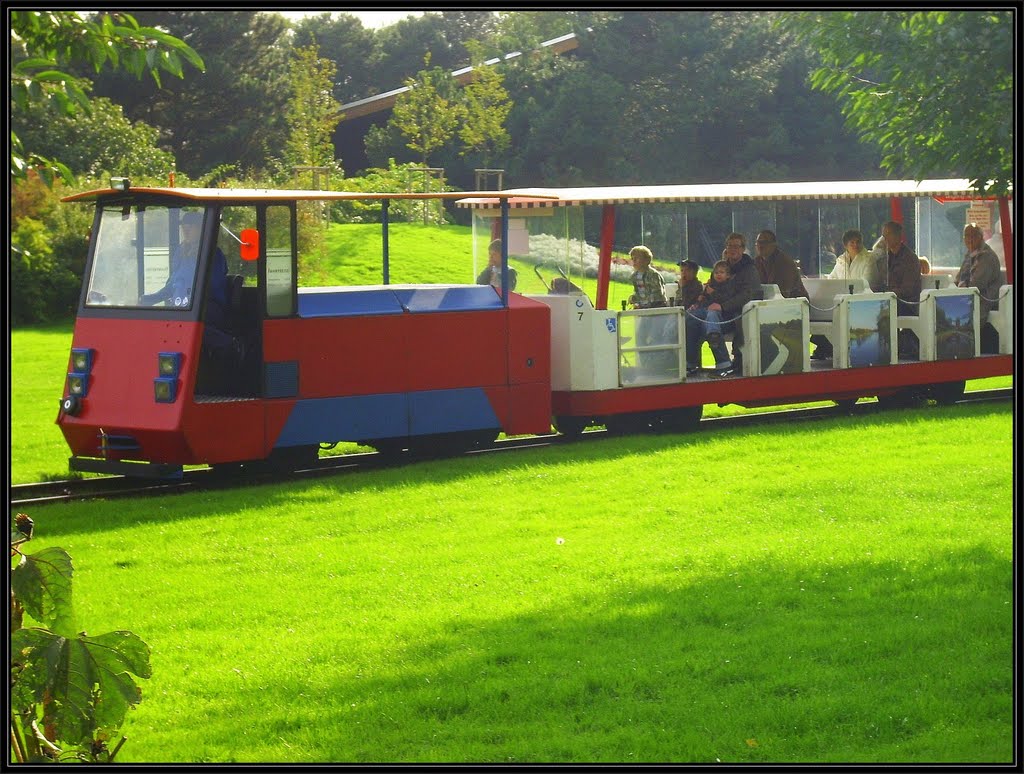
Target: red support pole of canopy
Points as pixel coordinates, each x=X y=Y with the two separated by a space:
x=896 y=209
x=1007 y=231
x=604 y=265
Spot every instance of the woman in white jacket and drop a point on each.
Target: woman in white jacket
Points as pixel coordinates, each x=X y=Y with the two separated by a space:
x=856 y=262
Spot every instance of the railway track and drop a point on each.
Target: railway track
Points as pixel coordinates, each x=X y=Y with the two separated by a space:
x=109 y=487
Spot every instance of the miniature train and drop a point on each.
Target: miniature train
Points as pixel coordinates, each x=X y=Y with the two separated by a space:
x=398 y=366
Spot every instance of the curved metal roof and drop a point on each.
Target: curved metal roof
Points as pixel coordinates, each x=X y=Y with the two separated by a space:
x=527 y=198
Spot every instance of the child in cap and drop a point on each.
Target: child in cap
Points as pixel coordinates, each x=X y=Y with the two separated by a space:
x=689 y=286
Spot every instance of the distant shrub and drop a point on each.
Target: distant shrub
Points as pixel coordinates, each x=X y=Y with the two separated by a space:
x=552 y=251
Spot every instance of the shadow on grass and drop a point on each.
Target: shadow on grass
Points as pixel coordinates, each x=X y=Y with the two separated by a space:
x=99 y=516
x=855 y=662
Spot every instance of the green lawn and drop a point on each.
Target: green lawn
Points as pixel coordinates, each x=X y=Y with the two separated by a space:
x=838 y=591
x=831 y=592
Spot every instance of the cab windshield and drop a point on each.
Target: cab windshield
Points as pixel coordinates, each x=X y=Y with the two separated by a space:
x=145 y=257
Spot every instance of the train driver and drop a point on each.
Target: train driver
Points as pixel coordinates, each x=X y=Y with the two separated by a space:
x=180 y=282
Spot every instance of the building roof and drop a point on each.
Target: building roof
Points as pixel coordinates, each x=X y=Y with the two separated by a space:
x=386 y=100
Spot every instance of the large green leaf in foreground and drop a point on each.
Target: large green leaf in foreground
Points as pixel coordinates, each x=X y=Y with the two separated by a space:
x=85 y=681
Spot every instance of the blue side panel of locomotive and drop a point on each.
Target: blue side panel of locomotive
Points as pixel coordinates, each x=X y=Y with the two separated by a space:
x=447 y=411
x=387 y=416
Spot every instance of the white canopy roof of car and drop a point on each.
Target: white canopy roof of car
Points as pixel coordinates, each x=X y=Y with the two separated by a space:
x=527 y=198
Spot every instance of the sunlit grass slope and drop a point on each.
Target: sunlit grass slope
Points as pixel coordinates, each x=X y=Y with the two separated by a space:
x=827 y=592
x=428 y=254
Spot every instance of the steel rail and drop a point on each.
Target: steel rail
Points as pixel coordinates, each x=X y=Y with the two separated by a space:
x=109 y=487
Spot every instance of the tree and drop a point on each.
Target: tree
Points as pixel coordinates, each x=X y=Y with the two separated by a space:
x=486 y=108
x=342 y=38
x=46 y=44
x=312 y=110
x=232 y=113
x=933 y=89
x=428 y=113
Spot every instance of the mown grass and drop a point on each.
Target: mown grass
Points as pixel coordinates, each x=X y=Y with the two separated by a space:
x=830 y=592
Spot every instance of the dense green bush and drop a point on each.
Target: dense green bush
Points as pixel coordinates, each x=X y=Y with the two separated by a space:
x=396 y=178
x=99 y=143
x=49 y=241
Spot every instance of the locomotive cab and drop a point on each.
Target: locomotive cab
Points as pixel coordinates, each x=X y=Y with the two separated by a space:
x=169 y=318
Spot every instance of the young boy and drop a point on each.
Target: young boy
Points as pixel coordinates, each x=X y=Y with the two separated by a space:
x=648 y=284
x=689 y=286
x=491 y=275
x=720 y=275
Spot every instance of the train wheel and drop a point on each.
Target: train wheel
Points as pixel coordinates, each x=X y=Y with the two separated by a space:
x=947 y=393
x=629 y=424
x=227 y=470
x=846 y=406
x=387 y=446
x=571 y=426
x=281 y=460
x=682 y=420
x=448 y=444
x=908 y=397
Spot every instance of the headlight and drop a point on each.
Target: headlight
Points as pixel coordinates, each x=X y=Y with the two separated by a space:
x=78 y=384
x=169 y=364
x=165 y=389
x=81 y=360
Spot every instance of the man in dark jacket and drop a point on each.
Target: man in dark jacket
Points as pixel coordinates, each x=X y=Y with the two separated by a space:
x=744 y=286
x=902 y=270
x=903 y=277
x=777 y=268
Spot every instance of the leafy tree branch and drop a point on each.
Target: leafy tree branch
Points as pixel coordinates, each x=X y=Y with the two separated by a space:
x=46 y=44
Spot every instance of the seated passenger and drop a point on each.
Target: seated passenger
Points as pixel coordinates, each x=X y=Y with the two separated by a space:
x=721 y=274
x=689 y=286
x=926 y=267
x=491 y=275
x=745 y=286
x=648 y=284
x=980 y=270
x=855 y=263
x=648 y=293
x=777 y=268
x=902 y=277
